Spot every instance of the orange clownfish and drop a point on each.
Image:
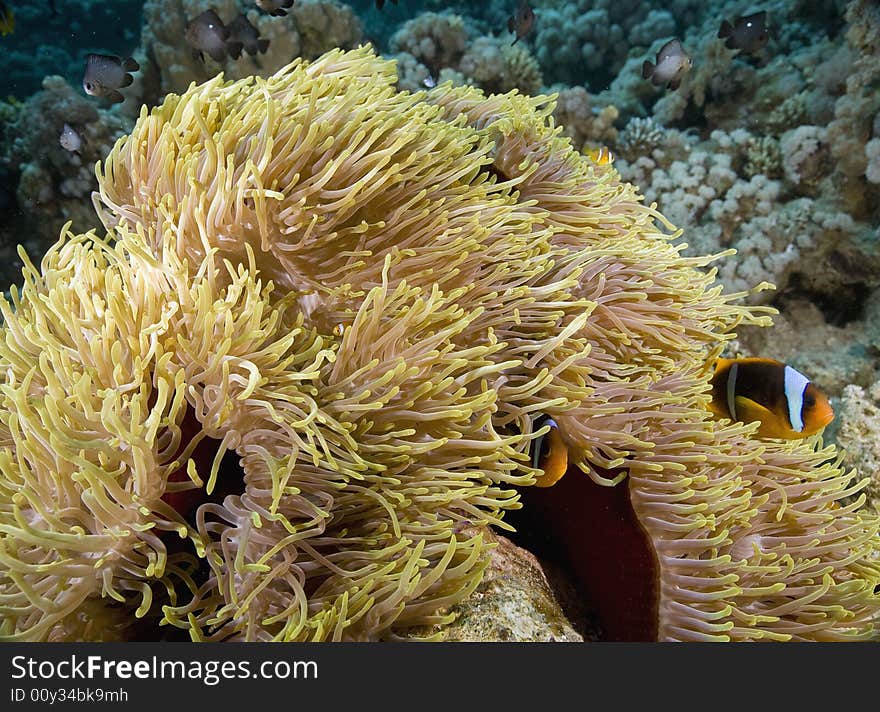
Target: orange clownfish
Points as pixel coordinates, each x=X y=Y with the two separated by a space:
x=549 y=454
x=601 y=155
x=779 y=397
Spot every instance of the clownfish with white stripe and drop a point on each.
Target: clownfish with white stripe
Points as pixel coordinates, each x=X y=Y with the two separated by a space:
x=780 y=398
x=601 y=155
x=549 y=453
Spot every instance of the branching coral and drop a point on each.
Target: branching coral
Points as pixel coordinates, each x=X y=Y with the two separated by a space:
x=720 y=192
x=763 y=157
x=362 y=298
x=583 y=123
x=436 y=40
x=854 y=112
x=495 y=66
x=640 y=137
x=802 y=152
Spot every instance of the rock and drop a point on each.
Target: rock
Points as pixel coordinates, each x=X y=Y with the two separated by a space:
x=513 y=603
x=858 y=434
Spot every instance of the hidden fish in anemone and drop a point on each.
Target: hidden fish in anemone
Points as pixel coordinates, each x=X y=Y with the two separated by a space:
x=783 y=400
x=601 y=155
x=549 y=453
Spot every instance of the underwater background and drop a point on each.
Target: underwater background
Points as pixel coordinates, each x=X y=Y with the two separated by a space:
x=771 y=151
x=775 y=153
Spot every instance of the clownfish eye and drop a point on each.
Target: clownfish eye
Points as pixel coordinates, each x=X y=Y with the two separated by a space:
x=809 y=400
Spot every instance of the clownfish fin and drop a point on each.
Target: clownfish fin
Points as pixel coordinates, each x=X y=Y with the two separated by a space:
x=722 y=362
x=771 y=425
x=748 y=410
x=717 y=411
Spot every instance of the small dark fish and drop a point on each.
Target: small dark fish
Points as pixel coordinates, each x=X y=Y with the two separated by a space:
x=52 y=8
x=7 y=20
x=242 y=34
x=105 y=73
x=381 y=3
x=70 y=139
x=521 y=22
x=276 y=8
x=207 y=33
x=673 y=63
x=747 y=33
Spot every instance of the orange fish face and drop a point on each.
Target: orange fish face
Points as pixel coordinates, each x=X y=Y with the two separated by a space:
x=817 y=410
x=550 y=454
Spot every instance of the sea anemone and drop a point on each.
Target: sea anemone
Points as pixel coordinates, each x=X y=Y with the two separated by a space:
x=280 y=397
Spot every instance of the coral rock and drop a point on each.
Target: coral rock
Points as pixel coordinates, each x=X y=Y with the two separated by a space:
x=513 y=603
x=858 y=434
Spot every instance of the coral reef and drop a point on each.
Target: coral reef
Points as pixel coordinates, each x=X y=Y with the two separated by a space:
x=259 y=410
x=786 y=231
x=52 y=184
x=49 y=183
x=438 y=45
x=835 y=346
x=855 y=111
x=872 y=155
x=44 y=45
x=858 y=434
x=496 y=67
x=583 y=123
x=640 y=137
x=589 y=40
x=436 y=40
x=169 y=65
x=775 y=155
x=761 y=173
x=818 y=71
